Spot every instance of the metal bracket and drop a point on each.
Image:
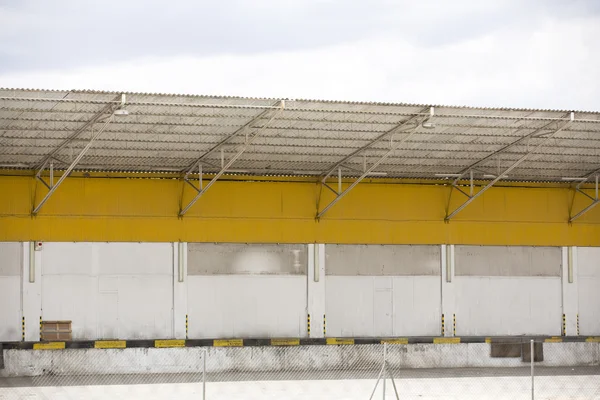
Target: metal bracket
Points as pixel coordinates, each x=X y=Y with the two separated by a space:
x=595 y=199
x=190 y=169
x=368 y=171
x=503 y=174
x=53 y=186
x=249 y=140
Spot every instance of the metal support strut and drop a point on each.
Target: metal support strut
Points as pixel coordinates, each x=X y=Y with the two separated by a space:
x=53 y=186
x=595 y=199
x=339 y=194
x=503 y=174
x=248 y=142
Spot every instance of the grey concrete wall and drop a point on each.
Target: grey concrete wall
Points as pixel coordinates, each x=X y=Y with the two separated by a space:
x=230 y=258
x=382 y=260
x=507 y=261
x=281 y=359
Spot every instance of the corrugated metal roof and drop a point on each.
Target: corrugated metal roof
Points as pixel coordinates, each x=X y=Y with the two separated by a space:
x=167 y=132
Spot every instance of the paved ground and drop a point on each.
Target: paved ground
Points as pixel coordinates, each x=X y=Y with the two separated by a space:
x=441 y=384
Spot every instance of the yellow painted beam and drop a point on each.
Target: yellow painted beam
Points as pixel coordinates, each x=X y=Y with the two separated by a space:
x=126 y=209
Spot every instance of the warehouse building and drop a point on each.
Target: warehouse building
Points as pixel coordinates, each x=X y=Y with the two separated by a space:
x=136 y=218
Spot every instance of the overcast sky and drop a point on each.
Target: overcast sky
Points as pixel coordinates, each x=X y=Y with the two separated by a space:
x=508 y=53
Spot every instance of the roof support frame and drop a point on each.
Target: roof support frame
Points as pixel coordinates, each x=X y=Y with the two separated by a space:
x=530 y=135
x=53 y=186
x=396 y=129
x=369 y=171
x=502 y=175
x=242 y=129
x=248 y=142
x=108 y=109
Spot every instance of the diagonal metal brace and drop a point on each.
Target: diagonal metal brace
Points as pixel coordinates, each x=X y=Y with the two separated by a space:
x=248 y=142
x=513 y=166
x=595 y=199
x=64 y=176
x=341 y=194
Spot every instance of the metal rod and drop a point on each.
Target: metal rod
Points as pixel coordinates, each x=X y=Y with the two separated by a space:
x=501 y=175
x=229 y=163
x=384 y=367
x=233 y=135
x=588 y=208
x=471 y=179
x=392 y=379
x=200 y=176
x=106 y=109
x=503 y=149
x=367 y=172
x=596 y=187
x=532 y=356
x=378 y=379
x=204 y=374
x=400 y=125
x=51 y=174
x=180 y=260
x=72 y=166
x=31 y=262
x=44 y=182
x=339 y=180
x=191 y=184
x=330 y=188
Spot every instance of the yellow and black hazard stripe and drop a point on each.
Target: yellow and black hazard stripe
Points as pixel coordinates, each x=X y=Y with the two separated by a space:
x=244 y=342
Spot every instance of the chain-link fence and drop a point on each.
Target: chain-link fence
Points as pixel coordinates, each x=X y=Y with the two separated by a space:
x=497 y=370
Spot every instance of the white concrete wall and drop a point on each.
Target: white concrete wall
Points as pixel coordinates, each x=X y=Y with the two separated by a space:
x=383 y=290
x=135 y=291
x=507 y=291
x=237 y=290
x=109 y=290
x=588 y=276
x=10 y=291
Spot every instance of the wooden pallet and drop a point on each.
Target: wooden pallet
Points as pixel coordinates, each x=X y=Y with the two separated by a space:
x=55 y=331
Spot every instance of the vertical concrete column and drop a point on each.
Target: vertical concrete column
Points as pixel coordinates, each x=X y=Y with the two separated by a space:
x=180 y=312
x=448 y=316
x=316 y=290
x=570 y=295
x=31 y=286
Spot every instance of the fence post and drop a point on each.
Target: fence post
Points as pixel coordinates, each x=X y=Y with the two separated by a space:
x=531 y=359
x=385 y=367
x=204 y=374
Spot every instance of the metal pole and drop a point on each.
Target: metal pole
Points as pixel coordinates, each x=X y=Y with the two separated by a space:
x=532 y=356
x=384 y=367
x=204 y=375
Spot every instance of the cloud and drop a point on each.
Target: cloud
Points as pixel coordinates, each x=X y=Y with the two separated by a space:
x=467 y=54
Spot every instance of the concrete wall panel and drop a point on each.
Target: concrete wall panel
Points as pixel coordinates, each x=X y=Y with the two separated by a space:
x=360 y=306
x=384 y=260
x=507 y=306
x=588 y=276
x=10 y=258
x=109 y=290
x=10 y=290
x=231 y=258
x=507 y=261
x=246 y=306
